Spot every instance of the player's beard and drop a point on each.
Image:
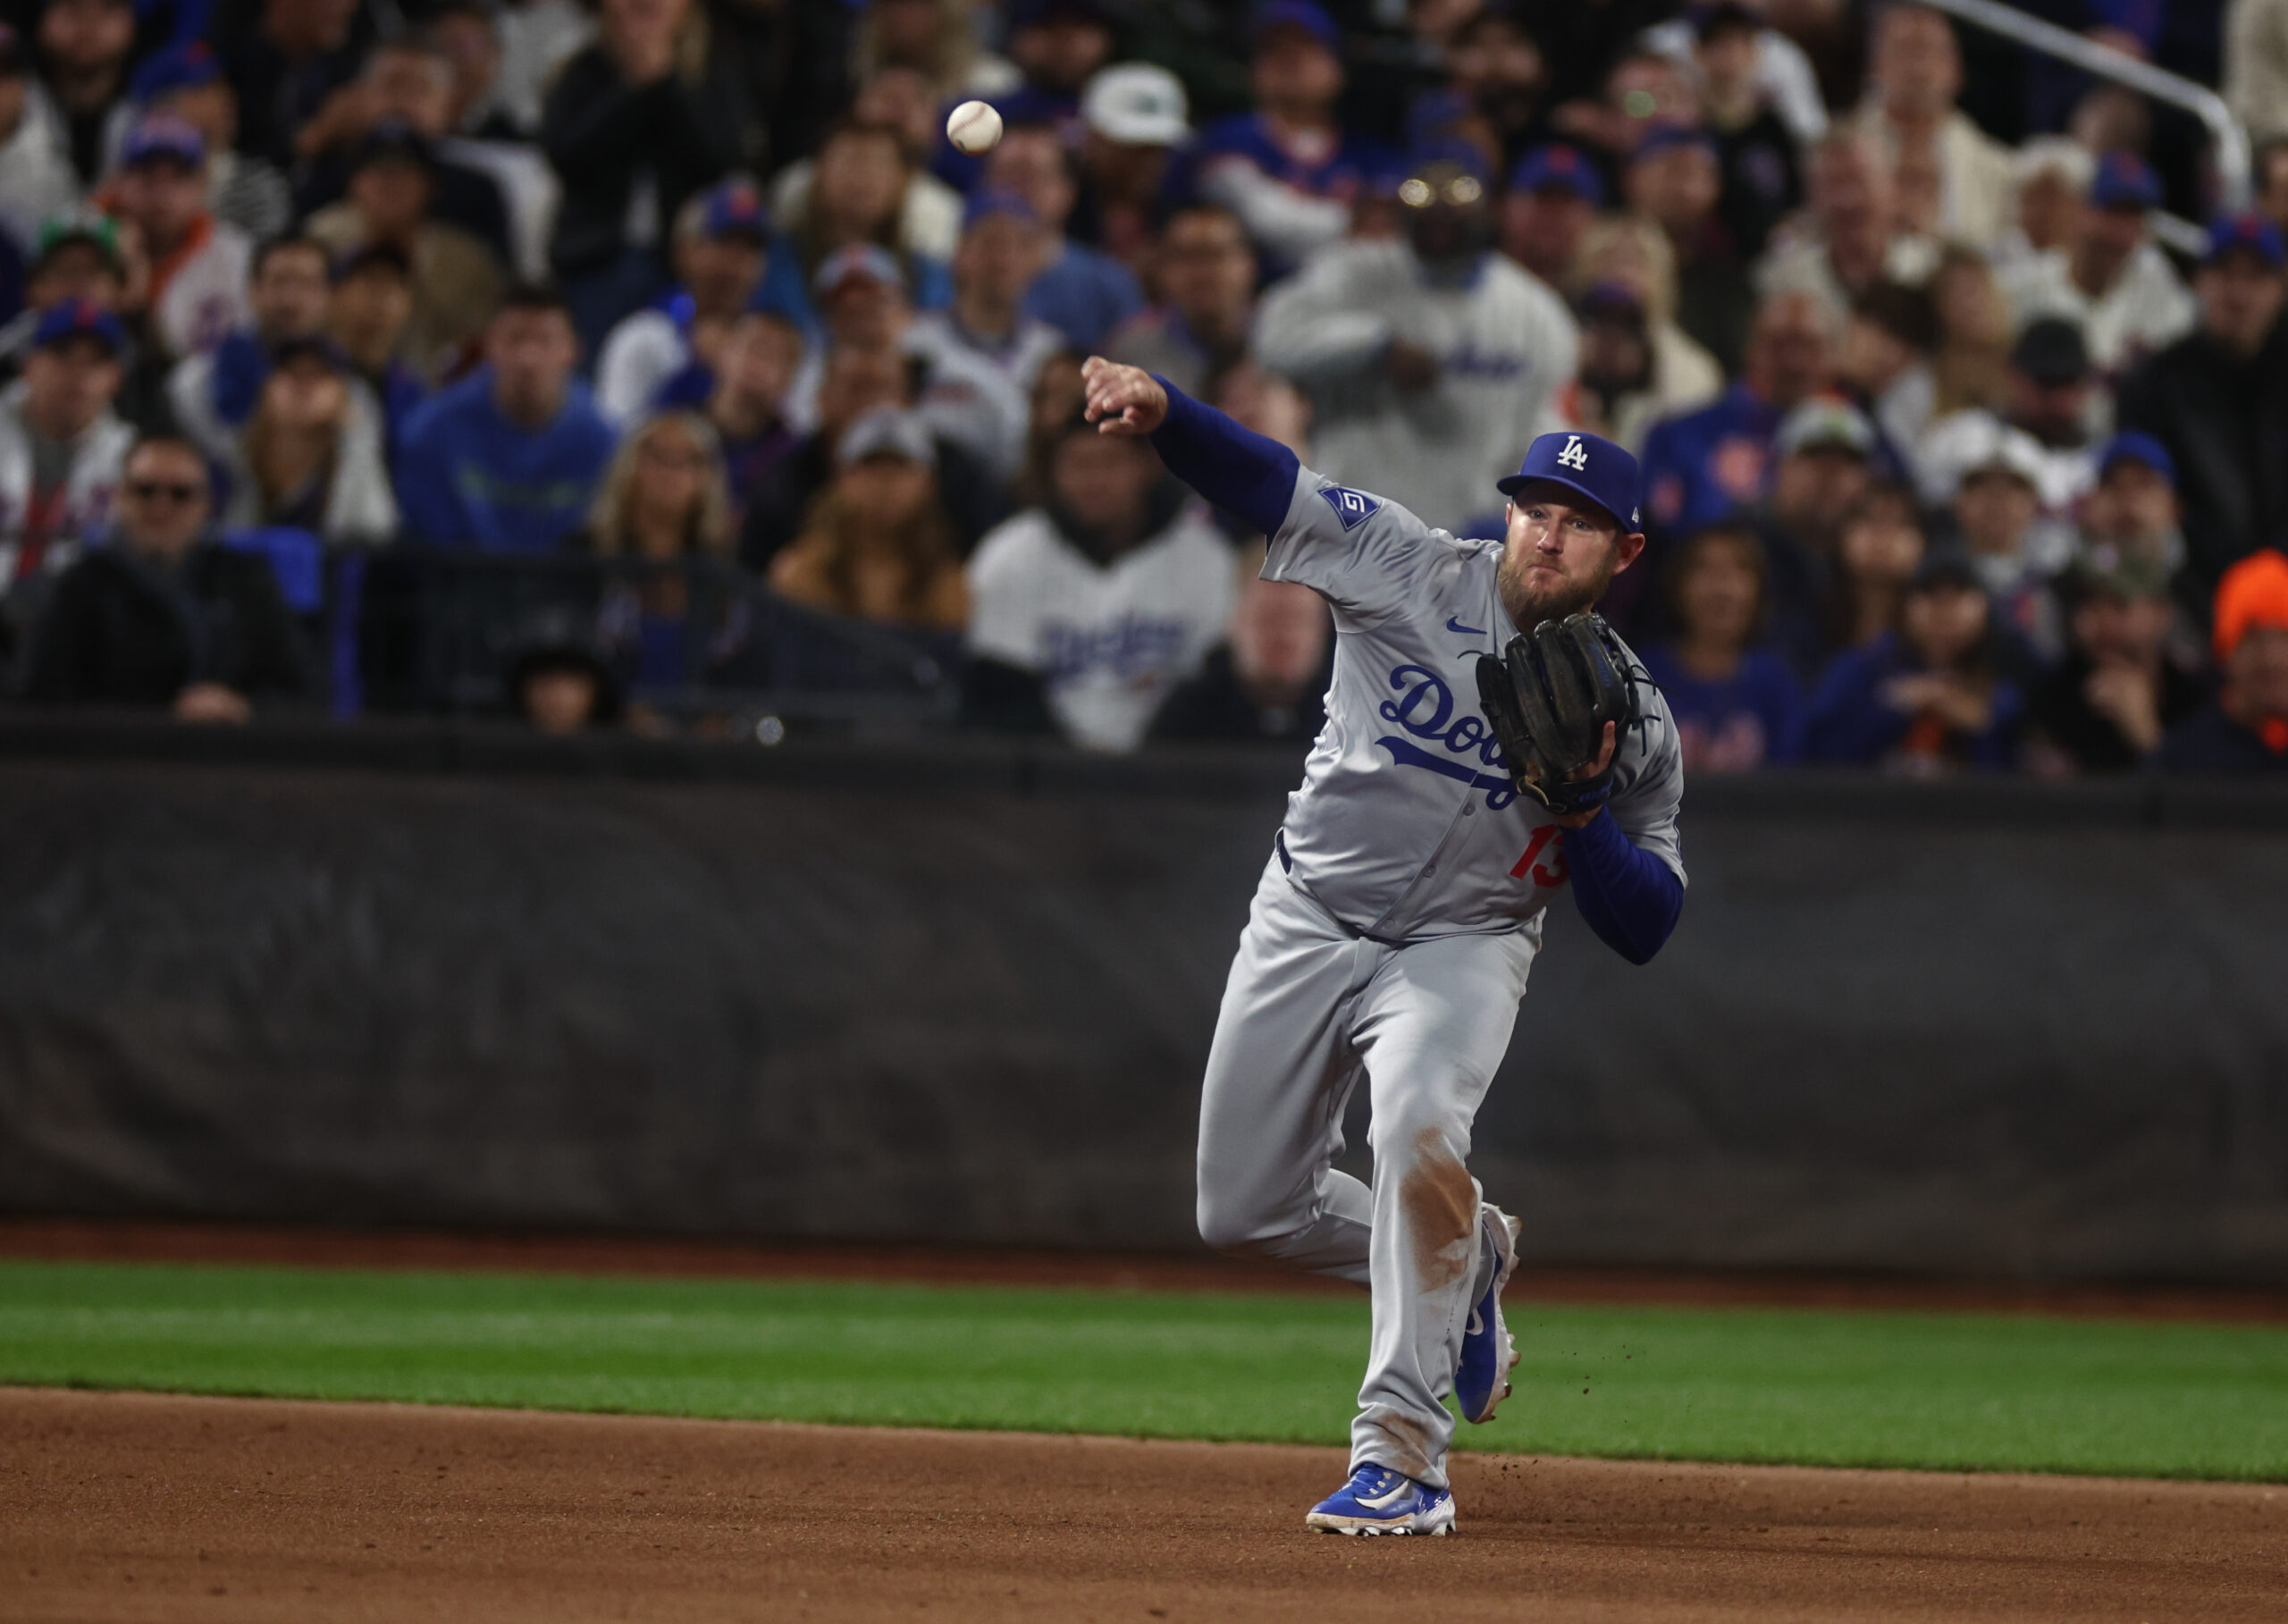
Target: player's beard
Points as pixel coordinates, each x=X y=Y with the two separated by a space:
x=1531 y=597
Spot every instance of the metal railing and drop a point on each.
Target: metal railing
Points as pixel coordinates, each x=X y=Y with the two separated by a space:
x=2103 y=62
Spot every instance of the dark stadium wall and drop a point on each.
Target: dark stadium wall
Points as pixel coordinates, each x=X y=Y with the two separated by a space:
x=2006 y=1030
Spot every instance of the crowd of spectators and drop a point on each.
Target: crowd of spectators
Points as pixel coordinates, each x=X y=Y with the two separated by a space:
x=1949 y=461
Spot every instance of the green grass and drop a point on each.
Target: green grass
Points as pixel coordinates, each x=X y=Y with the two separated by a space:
x=1985 y=1392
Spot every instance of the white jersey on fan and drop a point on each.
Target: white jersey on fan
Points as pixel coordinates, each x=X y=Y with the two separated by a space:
x=979 y=394
x=205 y=296
x=2148 y=308
x=1110 y=641
x=1505 y=346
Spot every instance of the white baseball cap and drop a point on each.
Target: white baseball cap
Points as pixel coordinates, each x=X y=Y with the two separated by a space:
x=1826 y=423
x=1137 y=105
x=887 y=431
x=2055 y=155
x=1992 y=446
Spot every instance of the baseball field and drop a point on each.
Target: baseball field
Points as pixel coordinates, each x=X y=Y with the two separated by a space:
x=196 y=1429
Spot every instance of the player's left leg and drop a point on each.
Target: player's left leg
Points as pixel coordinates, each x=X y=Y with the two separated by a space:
x=1433 y=1028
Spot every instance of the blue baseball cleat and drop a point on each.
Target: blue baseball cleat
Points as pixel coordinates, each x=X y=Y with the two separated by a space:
x=1489 y=1352
x=1379 y=1500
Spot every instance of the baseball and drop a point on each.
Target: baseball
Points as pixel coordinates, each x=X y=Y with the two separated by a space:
x=973 y=127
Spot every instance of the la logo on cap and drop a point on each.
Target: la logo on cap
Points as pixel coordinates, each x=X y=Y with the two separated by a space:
x=1575 y=456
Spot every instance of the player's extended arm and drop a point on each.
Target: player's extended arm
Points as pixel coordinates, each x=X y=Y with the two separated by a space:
x=1629 y=898
x=1237 y=469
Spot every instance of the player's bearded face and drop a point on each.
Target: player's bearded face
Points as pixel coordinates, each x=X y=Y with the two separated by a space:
x=1558 y=560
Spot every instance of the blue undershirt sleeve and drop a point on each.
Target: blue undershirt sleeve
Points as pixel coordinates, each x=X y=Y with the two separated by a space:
x=1630 y=898
x=1239 y=470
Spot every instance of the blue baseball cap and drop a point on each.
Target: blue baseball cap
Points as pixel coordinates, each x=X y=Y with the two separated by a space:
x=178 y=67
x=1435 y=115
x=77 y=318
x=2124 y=180
x=1558 y=168
x=1304 y=14
x=1587 y=465
x=868 y=261
x=2251 y=232
x=2132 y=446
x=163 y=135
x=392 y=140
x=984 y=205
x=735 y=209
x=1661 y=138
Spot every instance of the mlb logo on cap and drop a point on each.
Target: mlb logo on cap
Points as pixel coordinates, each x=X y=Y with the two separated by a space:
x=1588 y=465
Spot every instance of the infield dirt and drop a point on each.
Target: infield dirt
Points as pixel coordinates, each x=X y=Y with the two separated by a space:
x=146 y=1507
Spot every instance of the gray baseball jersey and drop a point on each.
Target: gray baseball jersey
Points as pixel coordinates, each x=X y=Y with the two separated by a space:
x=1407 y=825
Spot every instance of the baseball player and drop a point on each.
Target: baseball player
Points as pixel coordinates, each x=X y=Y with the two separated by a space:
x=1401 y=910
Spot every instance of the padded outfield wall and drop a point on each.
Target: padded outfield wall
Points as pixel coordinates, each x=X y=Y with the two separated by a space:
x=439 y=976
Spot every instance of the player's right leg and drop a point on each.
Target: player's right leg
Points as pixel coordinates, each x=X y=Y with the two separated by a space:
x=1279 y=1074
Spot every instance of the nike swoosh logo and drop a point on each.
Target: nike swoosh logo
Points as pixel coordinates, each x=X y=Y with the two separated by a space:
x=1454 y=624
x=1383 y=1501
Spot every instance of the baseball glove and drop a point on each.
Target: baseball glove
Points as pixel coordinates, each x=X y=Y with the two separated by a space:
x=1548 y=699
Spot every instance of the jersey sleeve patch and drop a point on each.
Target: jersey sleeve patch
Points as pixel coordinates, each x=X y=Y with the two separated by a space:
x=1352 y=508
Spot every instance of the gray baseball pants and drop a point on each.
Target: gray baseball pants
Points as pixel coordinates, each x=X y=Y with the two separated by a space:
x=1308 y=1008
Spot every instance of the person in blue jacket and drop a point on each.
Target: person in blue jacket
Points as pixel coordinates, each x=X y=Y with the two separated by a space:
x=507 y=459
x=1928 y=697
x=1702 y=466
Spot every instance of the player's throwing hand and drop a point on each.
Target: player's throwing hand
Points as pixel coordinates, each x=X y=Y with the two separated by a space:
x=1123 y=400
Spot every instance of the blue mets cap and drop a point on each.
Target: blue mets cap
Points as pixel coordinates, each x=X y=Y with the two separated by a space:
x=1304 y=14
x=2132 y=446
x=1455 y=153
x=1558 y=168
x=1438 y=115
x=984 y=205
x=1588 y=465
x=1660 y=139
x=78 y=318
x=2124 y=180
x=734 y=209
x=2251 y=232
x=179 y=67
x=163 y=135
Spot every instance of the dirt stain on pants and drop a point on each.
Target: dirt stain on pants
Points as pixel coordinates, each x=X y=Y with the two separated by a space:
x=1441 y=1207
